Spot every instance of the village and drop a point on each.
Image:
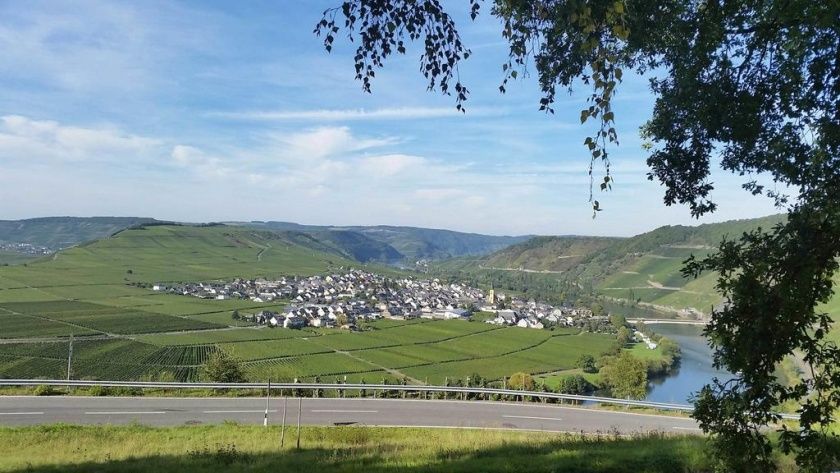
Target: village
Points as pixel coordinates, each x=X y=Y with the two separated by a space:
x=341 y=300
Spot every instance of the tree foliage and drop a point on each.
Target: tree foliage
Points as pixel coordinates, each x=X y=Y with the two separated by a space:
x=587 y=363
x=223 y=368
x=751 y=86
x=521 y=381
x=625 y=376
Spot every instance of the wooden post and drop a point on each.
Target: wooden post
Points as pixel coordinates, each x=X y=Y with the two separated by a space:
x=283 y=429
x=70 y=357
x=300 y=408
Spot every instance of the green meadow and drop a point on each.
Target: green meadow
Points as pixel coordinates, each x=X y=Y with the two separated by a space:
x=233 y=448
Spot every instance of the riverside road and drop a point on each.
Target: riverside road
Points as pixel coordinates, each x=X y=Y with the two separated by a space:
x=162 y=411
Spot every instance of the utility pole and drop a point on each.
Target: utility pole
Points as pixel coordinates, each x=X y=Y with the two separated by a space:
x=283 y=429
x=300 y=408
x=267 y=400
x=70 y=358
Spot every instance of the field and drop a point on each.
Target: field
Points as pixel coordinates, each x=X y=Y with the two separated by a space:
x=232 y=448
x=428 y=351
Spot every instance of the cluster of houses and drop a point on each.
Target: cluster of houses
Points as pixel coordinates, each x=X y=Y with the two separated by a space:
x=340 y=300
x=25 y=248
x=538 y=315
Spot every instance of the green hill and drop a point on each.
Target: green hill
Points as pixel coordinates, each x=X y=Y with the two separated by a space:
x=548 y=253
x=411 y=242
x=61 y=232
x=641 y=269
x=179 y=253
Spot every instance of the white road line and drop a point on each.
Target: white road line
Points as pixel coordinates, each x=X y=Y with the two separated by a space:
x=342 y=411
x=133 y=413
x=531 y=417
x=252 y=411
x=21 y=413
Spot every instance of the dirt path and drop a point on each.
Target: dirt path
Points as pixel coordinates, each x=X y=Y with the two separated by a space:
x=260 y=254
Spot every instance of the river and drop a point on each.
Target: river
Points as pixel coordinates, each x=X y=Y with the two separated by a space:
x=694 y=371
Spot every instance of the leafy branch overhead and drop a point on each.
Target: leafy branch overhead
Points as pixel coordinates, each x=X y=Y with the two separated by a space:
x=753 y=87
x=382 y=27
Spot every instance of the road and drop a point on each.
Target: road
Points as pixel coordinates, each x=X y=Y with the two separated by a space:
x=29 y=410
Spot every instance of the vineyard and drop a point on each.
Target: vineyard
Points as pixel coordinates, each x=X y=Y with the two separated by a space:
x=89 y=317
x=433 y=350
x=117 y=359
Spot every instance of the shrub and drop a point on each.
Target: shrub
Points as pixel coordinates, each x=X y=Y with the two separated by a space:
x=521 y=381
x=223 y=368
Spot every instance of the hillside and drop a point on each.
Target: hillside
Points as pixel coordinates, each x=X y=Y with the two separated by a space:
x=412 y=243
x=548 y=253
x=61 y=232
x=180 y=253
x=642 y=269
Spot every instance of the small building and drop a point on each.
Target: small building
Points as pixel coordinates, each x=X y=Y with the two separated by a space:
x=294 y=321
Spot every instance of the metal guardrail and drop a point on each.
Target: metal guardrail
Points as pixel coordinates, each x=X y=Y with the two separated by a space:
x=347 y=387
x=359 y=387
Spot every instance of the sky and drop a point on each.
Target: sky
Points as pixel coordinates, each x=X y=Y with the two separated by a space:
x=232 y=111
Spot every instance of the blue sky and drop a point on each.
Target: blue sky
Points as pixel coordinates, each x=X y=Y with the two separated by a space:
x=218 y=111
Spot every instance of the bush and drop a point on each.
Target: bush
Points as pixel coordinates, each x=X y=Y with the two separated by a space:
x=521 y=381
x=44 y=390
x=223 y=368
x=587 y=364
x=575 y=384
x=99 y=391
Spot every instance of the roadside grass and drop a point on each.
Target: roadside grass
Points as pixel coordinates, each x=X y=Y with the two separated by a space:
x=232 y=447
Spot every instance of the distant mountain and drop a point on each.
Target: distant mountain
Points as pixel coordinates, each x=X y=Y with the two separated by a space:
x=62 y=232
x=410 y=242
x=644 y=268
x=350 y=245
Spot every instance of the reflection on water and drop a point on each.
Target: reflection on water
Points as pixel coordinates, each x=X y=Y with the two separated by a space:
x=695 y=369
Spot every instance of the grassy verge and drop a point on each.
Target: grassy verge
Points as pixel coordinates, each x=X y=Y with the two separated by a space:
x=232 y=447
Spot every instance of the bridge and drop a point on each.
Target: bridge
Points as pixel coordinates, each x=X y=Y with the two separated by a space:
x=669 y=321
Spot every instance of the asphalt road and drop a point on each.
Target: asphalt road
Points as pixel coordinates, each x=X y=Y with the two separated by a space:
x=28 y=410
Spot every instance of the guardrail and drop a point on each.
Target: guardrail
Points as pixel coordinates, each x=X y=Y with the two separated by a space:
x=486 y=392
x=340 y=387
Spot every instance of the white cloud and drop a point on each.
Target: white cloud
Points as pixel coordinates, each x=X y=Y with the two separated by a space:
x=199 y=161
x=322 y=142
x=327 y=175
x=391 y=164
x=22 y=138
x=326 y=115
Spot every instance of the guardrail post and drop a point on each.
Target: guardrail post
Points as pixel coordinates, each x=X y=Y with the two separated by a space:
x=300 y=409
x=267 y=402
x=283 y=428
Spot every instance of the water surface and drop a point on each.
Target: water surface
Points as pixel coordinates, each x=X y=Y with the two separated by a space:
x=695 y=369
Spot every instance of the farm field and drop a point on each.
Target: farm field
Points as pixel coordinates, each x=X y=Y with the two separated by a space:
x=433 y=350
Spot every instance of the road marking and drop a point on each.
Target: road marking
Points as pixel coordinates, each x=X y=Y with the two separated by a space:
x=21 y=413
x=252 y=411
x=688 y=428
x=134 y=413
x=531 y=417
x=343 y=411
